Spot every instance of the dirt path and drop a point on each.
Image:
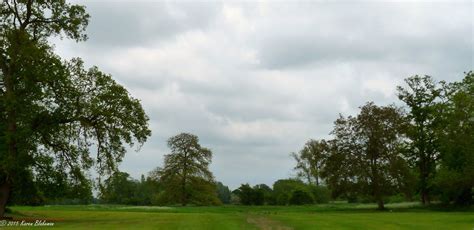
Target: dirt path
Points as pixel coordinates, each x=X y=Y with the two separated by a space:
x=265 y=223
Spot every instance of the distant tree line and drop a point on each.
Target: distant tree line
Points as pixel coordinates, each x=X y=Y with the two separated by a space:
x=284 y=192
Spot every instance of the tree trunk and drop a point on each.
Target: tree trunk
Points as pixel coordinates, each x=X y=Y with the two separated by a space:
x=425 y=197
x=380 y=204
x=11 y=132
x=4 y=194
x=424 y=192
x=184 y=199
x=183 y=189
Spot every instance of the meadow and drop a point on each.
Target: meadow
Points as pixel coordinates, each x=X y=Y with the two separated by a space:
x=325 y=216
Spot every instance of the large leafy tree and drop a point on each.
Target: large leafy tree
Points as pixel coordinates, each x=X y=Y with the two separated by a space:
x=455 y=178
x=422 y=97
x=366 y=158
x=310 y=160
x=52 y=108
x=185 y=175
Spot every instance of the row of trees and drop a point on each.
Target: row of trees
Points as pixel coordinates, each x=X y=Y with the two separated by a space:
x=284 y=192
x=185 y=178
x=426 y=147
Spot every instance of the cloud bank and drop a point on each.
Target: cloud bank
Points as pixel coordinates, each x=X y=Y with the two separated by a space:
x=255 y=81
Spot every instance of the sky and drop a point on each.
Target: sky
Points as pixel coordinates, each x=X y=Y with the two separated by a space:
x=256 y=80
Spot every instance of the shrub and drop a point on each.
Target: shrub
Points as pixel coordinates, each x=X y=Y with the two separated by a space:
x=299 y=197
x=321 y=194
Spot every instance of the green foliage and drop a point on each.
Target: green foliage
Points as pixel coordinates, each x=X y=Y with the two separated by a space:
x=310 y=160
x=299 y=197
x=455 y=178
x=223 y=193
x=422 y=97
x=268 y=196
x=282 y=190
x=185 y=176
x=54 y=108
x=120 y=188
x=258 y=195
x=246 y=194
x=365 y=157
x=321 y=194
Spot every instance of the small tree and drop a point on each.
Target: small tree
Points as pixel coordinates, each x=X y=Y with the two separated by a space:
x=310 y=160
x=185 y=176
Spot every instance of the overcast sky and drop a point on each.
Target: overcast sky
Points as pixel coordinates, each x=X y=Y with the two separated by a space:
x=255 y=81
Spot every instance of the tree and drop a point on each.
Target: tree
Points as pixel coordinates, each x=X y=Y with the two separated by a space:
x=299 y=197
x=52 y=107
x=321 y=194
x=58 y=187
x=119 y=188
x=455 y=178
x=310 y=160
x=245 y=194
x=267 y=192
x=283 y=188
x=223 y=193
x=185 y=174
x=249 y=195
x=422 y=96
x=367 y=152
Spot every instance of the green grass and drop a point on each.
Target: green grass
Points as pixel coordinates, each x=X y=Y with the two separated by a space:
x=327 y=216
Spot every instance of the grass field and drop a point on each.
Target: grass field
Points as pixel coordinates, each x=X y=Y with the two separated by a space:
x=328 y=216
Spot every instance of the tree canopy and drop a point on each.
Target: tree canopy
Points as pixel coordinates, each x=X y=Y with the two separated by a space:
x=53 y=108
x=367 y=157
x=186 y=174
x=310 y=160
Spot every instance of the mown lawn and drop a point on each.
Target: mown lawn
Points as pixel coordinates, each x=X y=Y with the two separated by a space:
x=329 y=216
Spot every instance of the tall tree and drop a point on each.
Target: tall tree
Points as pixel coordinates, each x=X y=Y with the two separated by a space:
x=310 y=160
x=55 y=108
x=367 y=156
x=186 y=174
x=223 y=192
x=422 y=96
x=455 y=178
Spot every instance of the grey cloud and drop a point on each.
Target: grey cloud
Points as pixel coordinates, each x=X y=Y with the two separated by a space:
x=132 y=23
x=424 y=32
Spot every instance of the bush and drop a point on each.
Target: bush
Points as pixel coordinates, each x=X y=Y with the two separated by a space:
x=321 y=194
x=398 y=198
x=299 y=197
x=282 y=199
